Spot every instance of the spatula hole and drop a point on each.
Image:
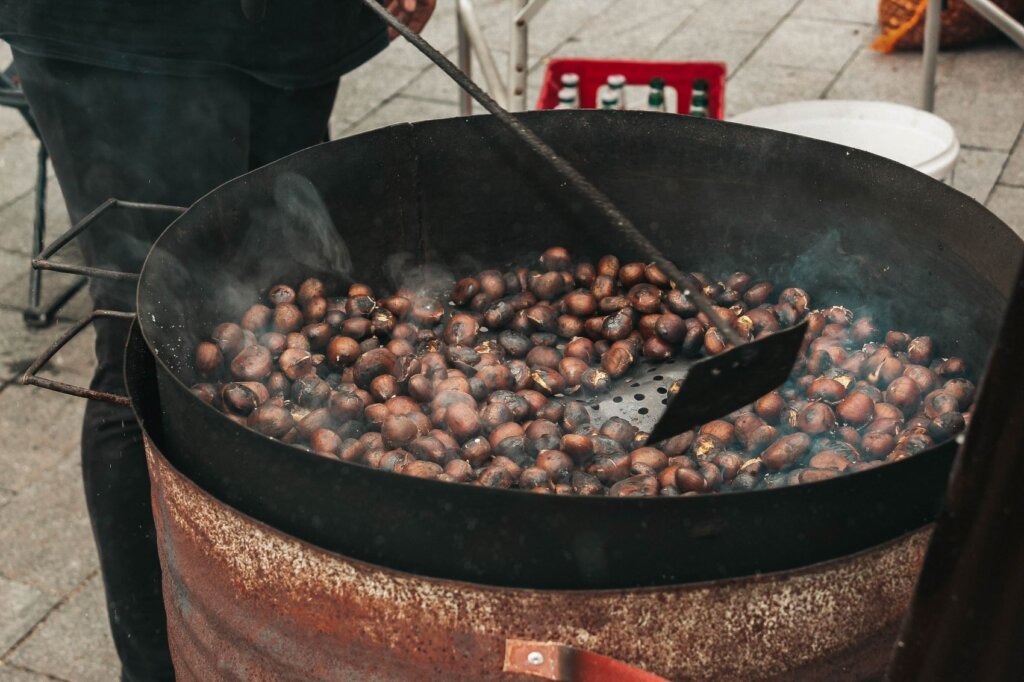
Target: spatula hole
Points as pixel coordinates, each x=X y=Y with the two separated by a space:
x=658 y=378
x=642 y=410
x=617 y=399
x=662 y=390
x=664 y=401
x=634 y=385
x=638 y=396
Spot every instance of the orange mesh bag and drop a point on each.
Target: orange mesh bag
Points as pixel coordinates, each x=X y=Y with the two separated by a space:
x=902 y=23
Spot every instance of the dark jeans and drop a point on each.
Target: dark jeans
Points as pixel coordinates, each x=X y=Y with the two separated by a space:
x=166 y=140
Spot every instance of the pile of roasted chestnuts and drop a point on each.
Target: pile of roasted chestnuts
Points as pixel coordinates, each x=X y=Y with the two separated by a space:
x=486 y=381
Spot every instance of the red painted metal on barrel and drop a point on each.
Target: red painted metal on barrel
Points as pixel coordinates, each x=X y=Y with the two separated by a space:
x=561 y=663
x=246 y=602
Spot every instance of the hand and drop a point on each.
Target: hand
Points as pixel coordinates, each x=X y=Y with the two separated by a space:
x=413 y=13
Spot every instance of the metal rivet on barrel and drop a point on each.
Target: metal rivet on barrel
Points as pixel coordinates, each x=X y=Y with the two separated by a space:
x=535 y=658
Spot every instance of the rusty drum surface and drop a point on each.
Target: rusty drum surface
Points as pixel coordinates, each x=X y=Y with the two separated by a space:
x=246 y=602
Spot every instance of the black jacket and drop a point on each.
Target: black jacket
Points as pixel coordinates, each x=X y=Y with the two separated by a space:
x=298 y=43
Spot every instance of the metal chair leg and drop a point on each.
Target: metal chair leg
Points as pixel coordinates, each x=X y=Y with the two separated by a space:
x=518 y=58
x=932 y=26
x=465 y=59
x=471 y=41
x=34 y=314
x=1000 y=19
x=38 y=228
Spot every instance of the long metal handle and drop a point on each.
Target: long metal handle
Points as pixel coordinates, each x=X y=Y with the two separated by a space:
x=30 y=378
x=618 y=221
x=43 y=262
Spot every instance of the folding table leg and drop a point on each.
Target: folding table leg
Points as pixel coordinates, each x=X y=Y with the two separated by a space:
x=1011 y=28
x=932 y=26
x=465 y=59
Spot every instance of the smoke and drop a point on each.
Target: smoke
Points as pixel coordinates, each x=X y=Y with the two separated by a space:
x=430 y=273
x=423 y=279
x=831 y=275
x=300 y=213
x=287 y=241
x=883 y=288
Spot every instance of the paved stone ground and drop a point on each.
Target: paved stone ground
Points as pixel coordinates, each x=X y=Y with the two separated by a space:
x=52 y=621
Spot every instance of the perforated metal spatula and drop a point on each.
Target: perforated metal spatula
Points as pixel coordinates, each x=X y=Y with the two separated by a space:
x=705 y=389
x=668 y=398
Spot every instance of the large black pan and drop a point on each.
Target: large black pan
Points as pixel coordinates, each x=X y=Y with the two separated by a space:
x=851 y=227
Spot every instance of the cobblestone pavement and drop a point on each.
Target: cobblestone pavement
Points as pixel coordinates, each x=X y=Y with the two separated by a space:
x=52 y=621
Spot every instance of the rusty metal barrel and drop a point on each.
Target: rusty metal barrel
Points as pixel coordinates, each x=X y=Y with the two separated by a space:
x=247 y=602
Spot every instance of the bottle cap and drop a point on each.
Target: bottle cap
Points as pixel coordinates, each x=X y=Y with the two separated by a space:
x=658 y=83
x=609 y=99
x=700 y=84
x=566 y=95
x=616 y=80
x=570 y=80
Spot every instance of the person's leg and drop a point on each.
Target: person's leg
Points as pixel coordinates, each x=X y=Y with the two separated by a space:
x=163 y=140
x=140 y=138
x=285 y=121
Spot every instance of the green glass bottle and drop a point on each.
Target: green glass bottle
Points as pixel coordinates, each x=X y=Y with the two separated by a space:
x=699 y=99
x=609 y=100
x=656 y=94
x=567 y=99
x=571 y=81
x=617 y=85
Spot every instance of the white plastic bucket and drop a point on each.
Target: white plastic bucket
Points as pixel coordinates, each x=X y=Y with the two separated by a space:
x=910 y=136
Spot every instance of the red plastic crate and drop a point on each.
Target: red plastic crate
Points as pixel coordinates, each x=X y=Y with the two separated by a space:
x=594 y=73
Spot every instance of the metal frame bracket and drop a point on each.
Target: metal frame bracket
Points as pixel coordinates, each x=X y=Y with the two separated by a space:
x=31 y=378
x=43 y=262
